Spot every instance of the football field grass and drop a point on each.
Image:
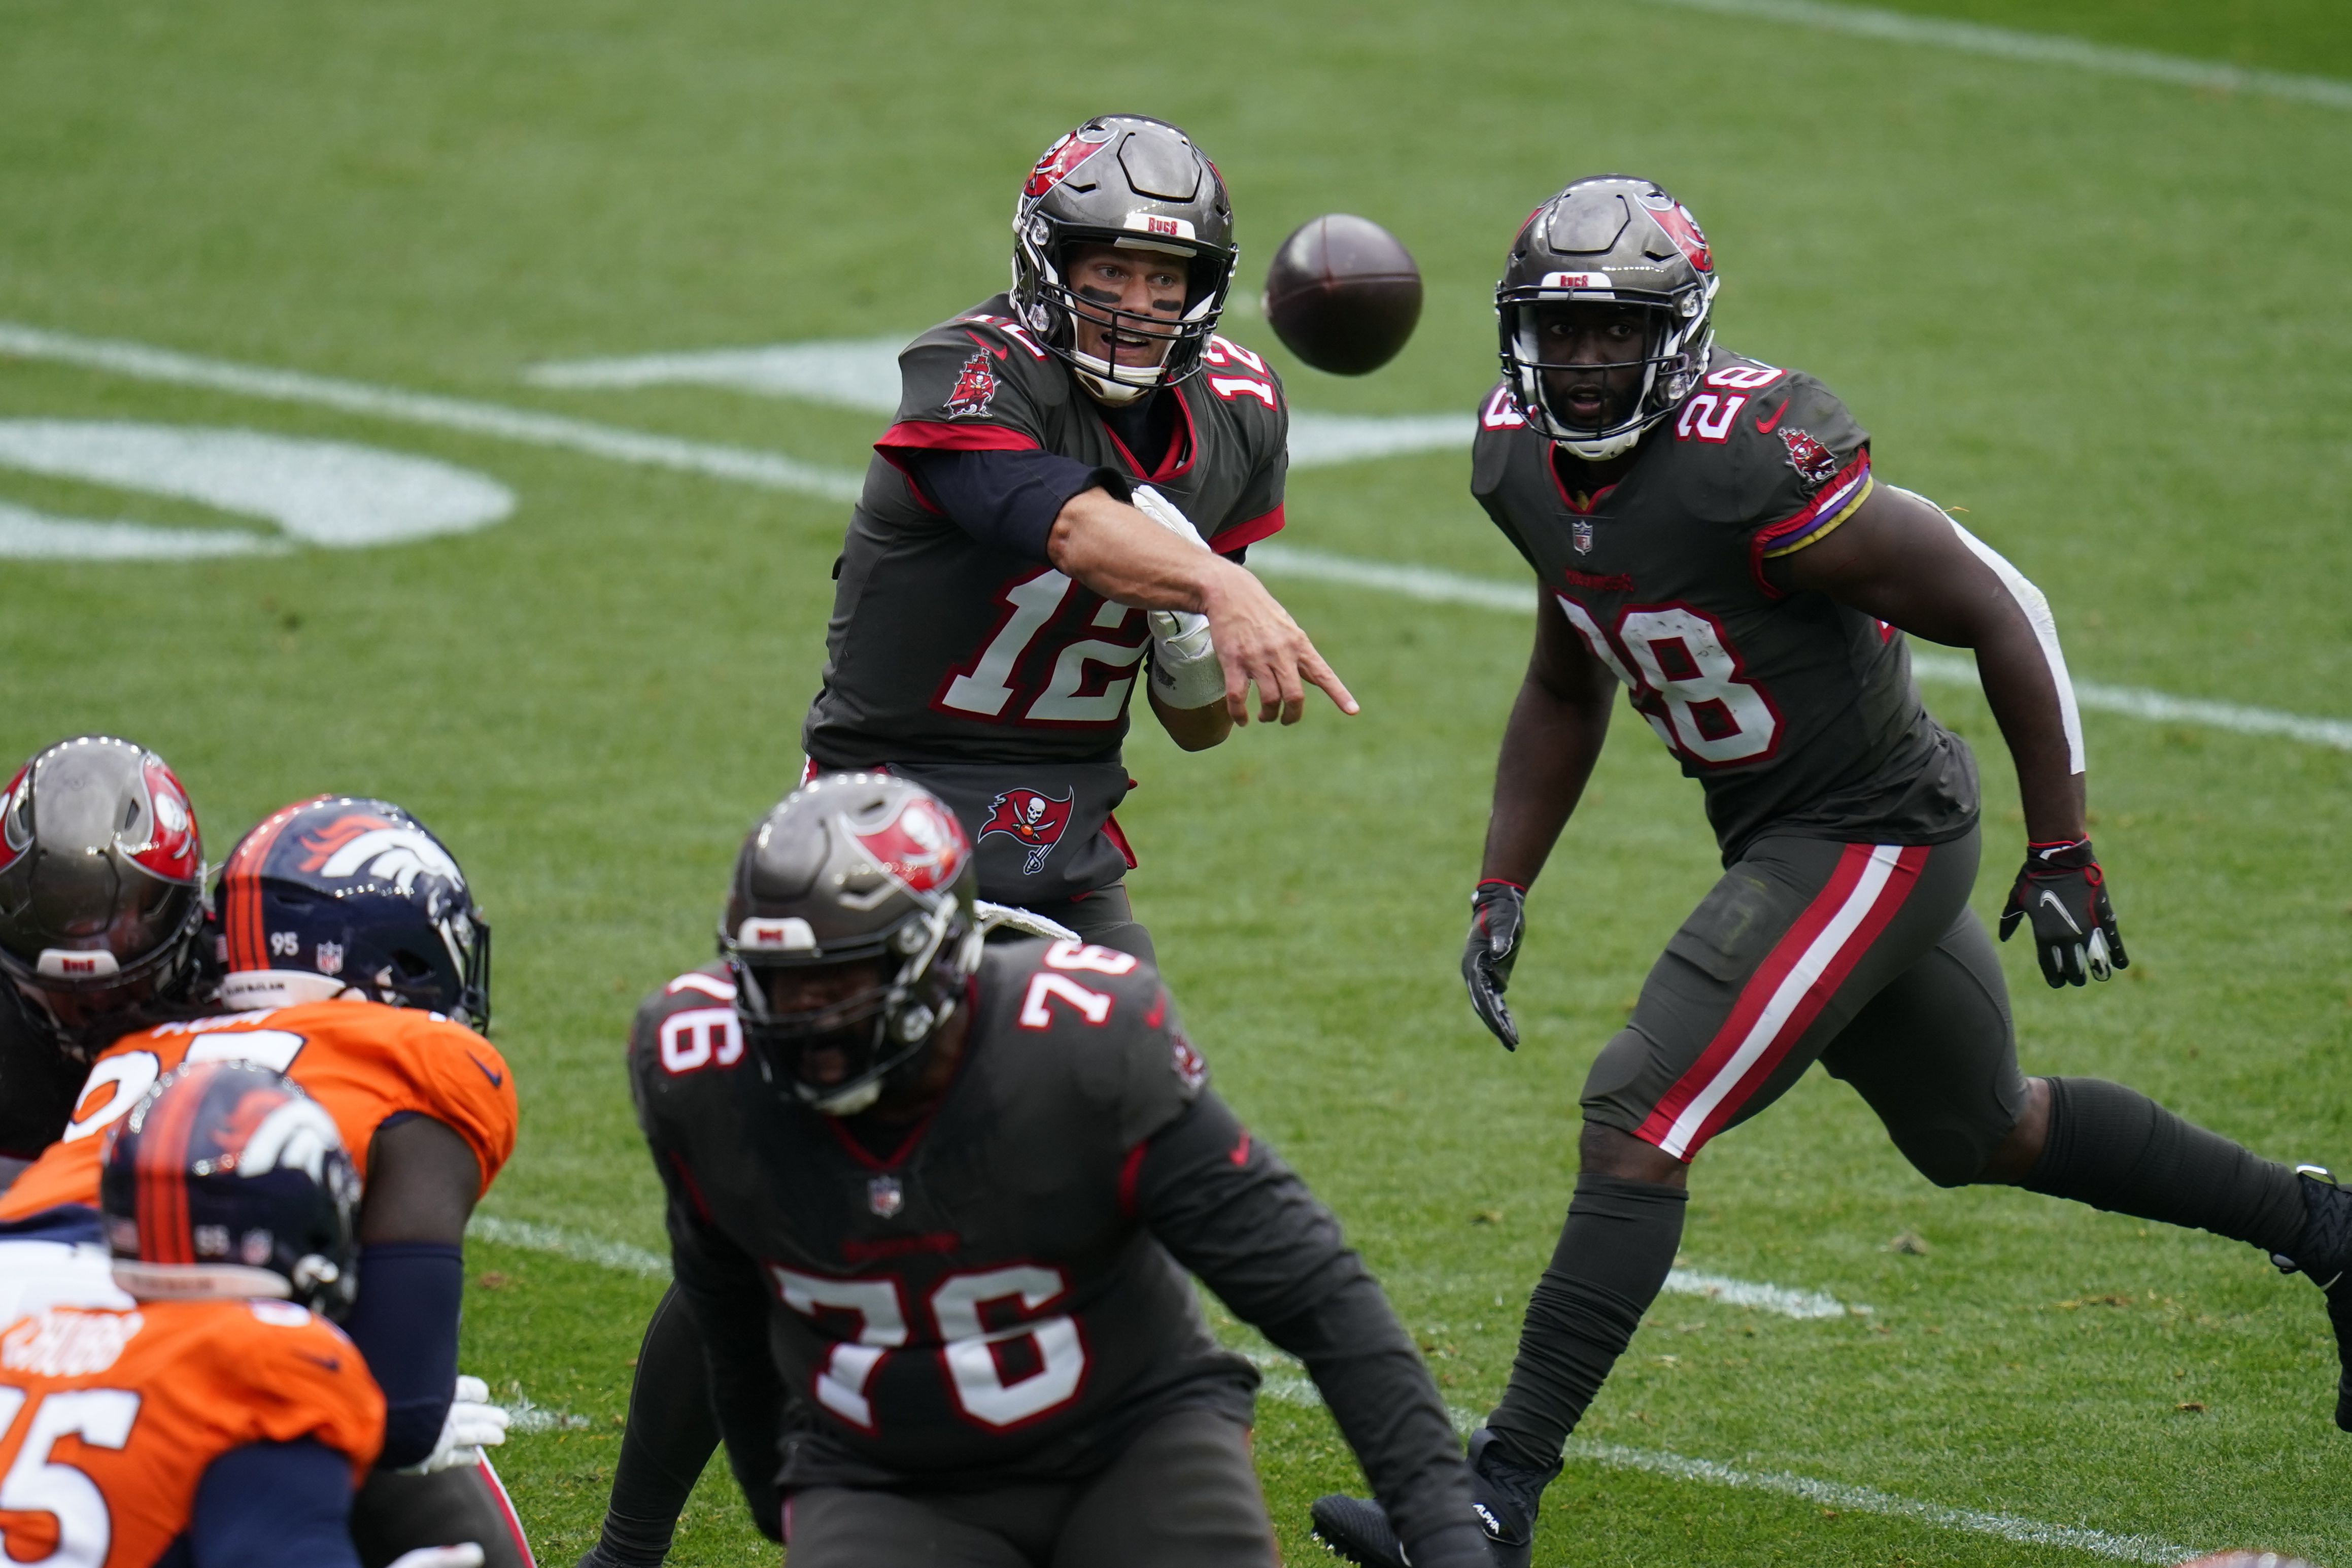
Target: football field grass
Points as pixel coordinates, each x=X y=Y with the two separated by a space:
x=2107 y=315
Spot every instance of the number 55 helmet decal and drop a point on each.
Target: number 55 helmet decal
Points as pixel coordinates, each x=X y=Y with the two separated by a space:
x=1610 y=239
x=343 y=893
x=1130 y=181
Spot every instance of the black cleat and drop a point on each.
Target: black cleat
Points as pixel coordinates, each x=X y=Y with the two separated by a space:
x=1358 y=1530
x=2324 y=1254
x=1506 y=1495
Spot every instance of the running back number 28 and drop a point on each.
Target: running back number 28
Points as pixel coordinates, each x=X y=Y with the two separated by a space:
x=1686 y=680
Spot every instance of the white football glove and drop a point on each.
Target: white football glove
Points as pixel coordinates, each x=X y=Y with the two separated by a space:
x=466 y=1555
x=472 y=1425
x=1185 y=672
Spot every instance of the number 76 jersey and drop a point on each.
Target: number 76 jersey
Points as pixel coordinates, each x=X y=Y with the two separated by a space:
x=1797 y=714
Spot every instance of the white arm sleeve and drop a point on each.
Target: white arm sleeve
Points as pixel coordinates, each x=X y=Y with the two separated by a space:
x=2036 y=607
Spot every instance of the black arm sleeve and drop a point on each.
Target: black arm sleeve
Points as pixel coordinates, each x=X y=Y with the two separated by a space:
x=720 y=1287
x=1242 y=1220
x=1006 y=499
x=273 y=1505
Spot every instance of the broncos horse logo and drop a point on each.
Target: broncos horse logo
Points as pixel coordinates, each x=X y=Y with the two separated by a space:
x=387 y=851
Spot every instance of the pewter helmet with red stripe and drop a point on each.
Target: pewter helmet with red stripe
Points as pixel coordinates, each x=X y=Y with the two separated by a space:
x=1139 y=183
x=227 y=1180
x=101 y=888
x=1619 y=243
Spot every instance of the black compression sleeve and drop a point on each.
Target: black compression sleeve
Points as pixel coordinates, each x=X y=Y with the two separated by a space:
x=1242 y=1220
x=720 y=1287
x=405 y=1324
x=1007 y=499
x=268 y=1504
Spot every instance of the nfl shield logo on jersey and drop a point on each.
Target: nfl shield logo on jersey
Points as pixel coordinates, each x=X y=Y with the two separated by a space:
x=885 y=1196
x=1581 y=531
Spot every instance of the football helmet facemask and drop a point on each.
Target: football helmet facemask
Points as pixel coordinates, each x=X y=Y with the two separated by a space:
x=1139 y=183
x=102 y=890
x=341 y=893
x=1608 y=239
x=227 y=1180
x=851 y=869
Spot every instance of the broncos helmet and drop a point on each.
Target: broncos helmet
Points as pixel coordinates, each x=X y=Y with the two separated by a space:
x=342 y=893
x=852 y=868
x=1609 y=239
x=227 y=1180
x=1139 y=183
x=101 y=889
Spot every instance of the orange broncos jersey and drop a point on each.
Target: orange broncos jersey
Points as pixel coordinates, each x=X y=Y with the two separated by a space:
x=110 y=1418
x=363 y=1062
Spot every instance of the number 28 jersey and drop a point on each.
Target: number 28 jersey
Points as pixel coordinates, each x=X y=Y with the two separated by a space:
x=1797 y=714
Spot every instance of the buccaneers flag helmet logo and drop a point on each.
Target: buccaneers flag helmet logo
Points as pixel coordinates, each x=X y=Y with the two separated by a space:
x=923 y=846
x=975 y=388
x=1816 y=464
x=1036 y=820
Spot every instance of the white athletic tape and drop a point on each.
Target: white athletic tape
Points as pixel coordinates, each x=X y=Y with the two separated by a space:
x=1436 y=585
x=2036 y=605
x=2037 y=48
x=769 y=470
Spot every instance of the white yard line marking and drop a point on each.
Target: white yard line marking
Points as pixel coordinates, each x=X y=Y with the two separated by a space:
x=775 y=472
x=529 y=1235
x=862 y=374
x=1286 y=1381
x=770 y=469
x=525 y=1415
x=1866 y=1500
x=1437 y=586
x=1798 y=1304
x=2036 y=48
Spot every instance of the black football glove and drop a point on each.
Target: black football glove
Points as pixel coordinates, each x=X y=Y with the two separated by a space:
x=1498 y=911
x=2063 y=892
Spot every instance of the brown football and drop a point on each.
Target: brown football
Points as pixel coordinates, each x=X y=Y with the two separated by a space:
x=1342 y=294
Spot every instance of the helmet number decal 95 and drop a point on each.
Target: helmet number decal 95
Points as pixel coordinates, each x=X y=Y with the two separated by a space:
x=1686 y=680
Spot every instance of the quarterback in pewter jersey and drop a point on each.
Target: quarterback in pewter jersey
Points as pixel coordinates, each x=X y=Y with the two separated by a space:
x=1706 y=531
x=1030 y=535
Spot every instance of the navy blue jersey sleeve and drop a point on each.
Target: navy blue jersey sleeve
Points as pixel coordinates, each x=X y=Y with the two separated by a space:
x=273 y=1505
x=405 y=1324
x=1009 y=499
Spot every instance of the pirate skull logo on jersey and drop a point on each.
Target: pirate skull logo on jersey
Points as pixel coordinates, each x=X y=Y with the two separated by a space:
x=1036 y=820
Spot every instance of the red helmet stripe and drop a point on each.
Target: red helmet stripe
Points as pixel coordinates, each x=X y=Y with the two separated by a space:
x=248 y=944
x=164 y=1140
